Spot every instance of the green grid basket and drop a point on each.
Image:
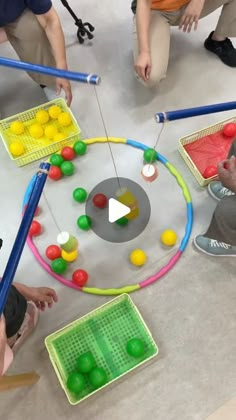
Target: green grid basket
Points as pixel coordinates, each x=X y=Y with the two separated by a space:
x=36 y=149
x=104 y=332
x=196 y=136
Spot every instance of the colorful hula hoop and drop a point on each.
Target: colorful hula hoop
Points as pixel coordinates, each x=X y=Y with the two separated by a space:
x=165 y=269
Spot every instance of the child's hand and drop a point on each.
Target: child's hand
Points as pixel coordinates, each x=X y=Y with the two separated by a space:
x=42 y=297
x=2 y=328
x=191 y=15
x=227 y=173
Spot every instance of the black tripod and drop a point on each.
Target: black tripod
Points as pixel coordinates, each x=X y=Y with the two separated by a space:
x=84 y=29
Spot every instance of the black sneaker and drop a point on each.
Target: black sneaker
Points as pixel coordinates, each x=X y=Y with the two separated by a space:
x=224 y=49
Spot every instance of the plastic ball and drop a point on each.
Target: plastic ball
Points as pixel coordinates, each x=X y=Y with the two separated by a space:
x=56 y=159
x=35 y=228
x=36 y=131
x=53 y=252
x=138 y=257
x=169 y=238
x=50 y=131
x=80 y=195
x=69 y=256
x=17 y=149
x=98 y=377
x=64 y=119
x=84 y=222
x=59 y=266
x=17 y=127
x=100 y=201
x=150 y=155
x=42 y=116
x=75 y=382
x=54 y=111
x=86 y=362
x=135 y=347
x=55 y=173
x=67 y=168
x=80 y=277
x=123 y=221
x=59 y=137
x=80 y=148
x=68 y=153
x=229 y=130
x=210 y=171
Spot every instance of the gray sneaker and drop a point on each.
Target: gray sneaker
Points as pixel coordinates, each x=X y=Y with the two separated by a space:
x=215 y=248
x=218 y=191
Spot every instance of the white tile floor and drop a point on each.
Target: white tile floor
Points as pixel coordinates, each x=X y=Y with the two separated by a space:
x=191 y=312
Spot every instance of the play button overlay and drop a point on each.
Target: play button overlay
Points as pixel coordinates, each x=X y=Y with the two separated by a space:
x=117 y=210
x=126 y=214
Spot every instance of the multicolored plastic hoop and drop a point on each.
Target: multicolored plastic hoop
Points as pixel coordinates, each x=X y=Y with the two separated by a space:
x=165 y=269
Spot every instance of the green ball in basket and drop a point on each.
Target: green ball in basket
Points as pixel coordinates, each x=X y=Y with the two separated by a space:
x=75 y=382
x=135 y=347
x=98 y=377
x=86 y=362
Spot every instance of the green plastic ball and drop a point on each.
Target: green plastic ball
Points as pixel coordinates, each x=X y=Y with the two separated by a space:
x=86 y=362
x=150 y=155
x=80 y=148
x=123 y=221
x=56 y=160
x=98 y=377
x=67 y=168
x=84 y=222
x=135 y=347
x=58 y=266
x=80 y=195
x=75 y=382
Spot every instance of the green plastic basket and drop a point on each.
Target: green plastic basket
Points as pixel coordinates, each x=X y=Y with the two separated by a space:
x=104 y=332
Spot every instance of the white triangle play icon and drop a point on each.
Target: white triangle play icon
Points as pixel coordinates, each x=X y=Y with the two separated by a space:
x=116 y=210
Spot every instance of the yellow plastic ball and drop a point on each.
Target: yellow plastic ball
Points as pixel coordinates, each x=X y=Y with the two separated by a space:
x=36 y=131
x=138 y=257
x=54 y=111
x=59 y=137
x=17 y=149
x=169 y=238
x=42 y=116
x=64 y=119
x=69 y=256
x=17 y=127
x=50 y=131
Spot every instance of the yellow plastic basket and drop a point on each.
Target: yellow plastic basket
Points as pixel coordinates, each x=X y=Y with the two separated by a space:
x=196 y=136
x=36 y=149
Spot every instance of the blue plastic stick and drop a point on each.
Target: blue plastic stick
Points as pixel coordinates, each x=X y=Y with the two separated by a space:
x=194 y=112
x=92 y=79
x=21 y=237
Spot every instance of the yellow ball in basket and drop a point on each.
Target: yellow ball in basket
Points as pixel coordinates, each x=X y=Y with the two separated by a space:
x=54 y=111
x=50 y=131
x=59 y=137
x=42 y=116
x=17 y=149
x=36 y=131
x=64 y=119
x=17 y=127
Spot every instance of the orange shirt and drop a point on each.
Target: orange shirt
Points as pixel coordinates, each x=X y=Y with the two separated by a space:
x=168 y=5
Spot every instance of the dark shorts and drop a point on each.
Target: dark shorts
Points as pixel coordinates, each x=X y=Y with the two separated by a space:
x=14 y=312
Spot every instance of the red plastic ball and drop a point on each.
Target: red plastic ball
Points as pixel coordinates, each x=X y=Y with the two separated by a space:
x=35 y=228
x=230 y=130
x=53 y=252
x=55 y=173
x=210 y=171
x=100 y=201
x=80 y=277
x=68 y=153
x=37 y=211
